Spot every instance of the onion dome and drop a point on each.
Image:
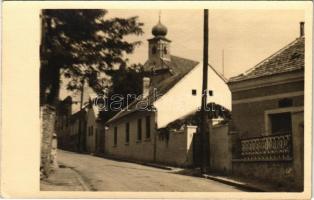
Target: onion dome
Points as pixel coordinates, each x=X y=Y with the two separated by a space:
x=159 y=30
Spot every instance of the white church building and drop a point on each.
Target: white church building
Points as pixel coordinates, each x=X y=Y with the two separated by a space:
x=134 y=134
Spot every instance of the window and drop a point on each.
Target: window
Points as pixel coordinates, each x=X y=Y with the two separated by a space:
x=165 y=50
x=139 y=129
x=147 y=126
x=90 y=131
x=127 y=133
x=285 y=103
x=154 y=50
x=210 y=93
x=115 y=136
x=280 y=123
x=194 y=92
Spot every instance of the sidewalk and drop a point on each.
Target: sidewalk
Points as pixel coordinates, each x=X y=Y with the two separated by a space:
x=64 y=179
x=150 y=164
x=248 y=184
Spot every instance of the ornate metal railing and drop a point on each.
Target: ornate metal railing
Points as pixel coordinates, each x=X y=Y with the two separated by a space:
x=267 y=148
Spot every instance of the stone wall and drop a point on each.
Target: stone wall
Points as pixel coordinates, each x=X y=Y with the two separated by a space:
x=48 y=141
x=276 y=173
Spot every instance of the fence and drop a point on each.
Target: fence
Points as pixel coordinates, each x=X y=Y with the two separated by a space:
x=267 y=148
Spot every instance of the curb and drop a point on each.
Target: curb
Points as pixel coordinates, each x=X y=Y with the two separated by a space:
x=156 y=166
x=137 y=162
x=81 y=181
x=242 y=185
x=78 y=177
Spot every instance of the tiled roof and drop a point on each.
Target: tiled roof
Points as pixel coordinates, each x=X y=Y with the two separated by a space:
x=289 y=58
x=178 y=68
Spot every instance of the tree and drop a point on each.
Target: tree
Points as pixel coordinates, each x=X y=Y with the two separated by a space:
x=81 y=44
x=124 y=81
x=78 y=45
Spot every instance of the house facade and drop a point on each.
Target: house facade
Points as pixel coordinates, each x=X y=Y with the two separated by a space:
x=268 y=118
x=94 y=130
x=172 y=89
x=81 y=131
x=70 y=127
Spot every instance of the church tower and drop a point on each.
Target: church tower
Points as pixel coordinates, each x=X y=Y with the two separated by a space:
x=159 y=48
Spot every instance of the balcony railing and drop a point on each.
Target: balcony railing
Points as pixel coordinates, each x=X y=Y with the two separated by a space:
x=267 y=148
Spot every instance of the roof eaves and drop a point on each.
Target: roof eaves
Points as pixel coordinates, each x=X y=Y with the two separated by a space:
x=117 y=116
x=264 y=76
x=242 y=77
x=218 y=74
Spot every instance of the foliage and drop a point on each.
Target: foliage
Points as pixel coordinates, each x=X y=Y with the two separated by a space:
x=215 y=111
x=82 y=44
x=125 y=81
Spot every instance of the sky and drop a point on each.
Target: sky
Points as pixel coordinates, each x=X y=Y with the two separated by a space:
x=245 y=36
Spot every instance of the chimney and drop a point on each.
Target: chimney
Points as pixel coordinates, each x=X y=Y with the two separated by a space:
x=146 y=84
x=301 y=29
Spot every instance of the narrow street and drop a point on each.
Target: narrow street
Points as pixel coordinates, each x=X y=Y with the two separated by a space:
x=108 y=175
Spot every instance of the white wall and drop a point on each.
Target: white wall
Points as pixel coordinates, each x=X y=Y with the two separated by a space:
x=220 y=149
x=178 y=149
x=179 y=101
x=134 y=150
x=91 y=139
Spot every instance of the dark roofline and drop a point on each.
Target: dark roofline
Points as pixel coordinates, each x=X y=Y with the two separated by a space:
x=218 y=74
x=116 y=116
x=159 y=38
x=268 y=77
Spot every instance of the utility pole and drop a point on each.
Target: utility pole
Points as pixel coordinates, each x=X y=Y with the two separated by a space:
x=204 y=116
